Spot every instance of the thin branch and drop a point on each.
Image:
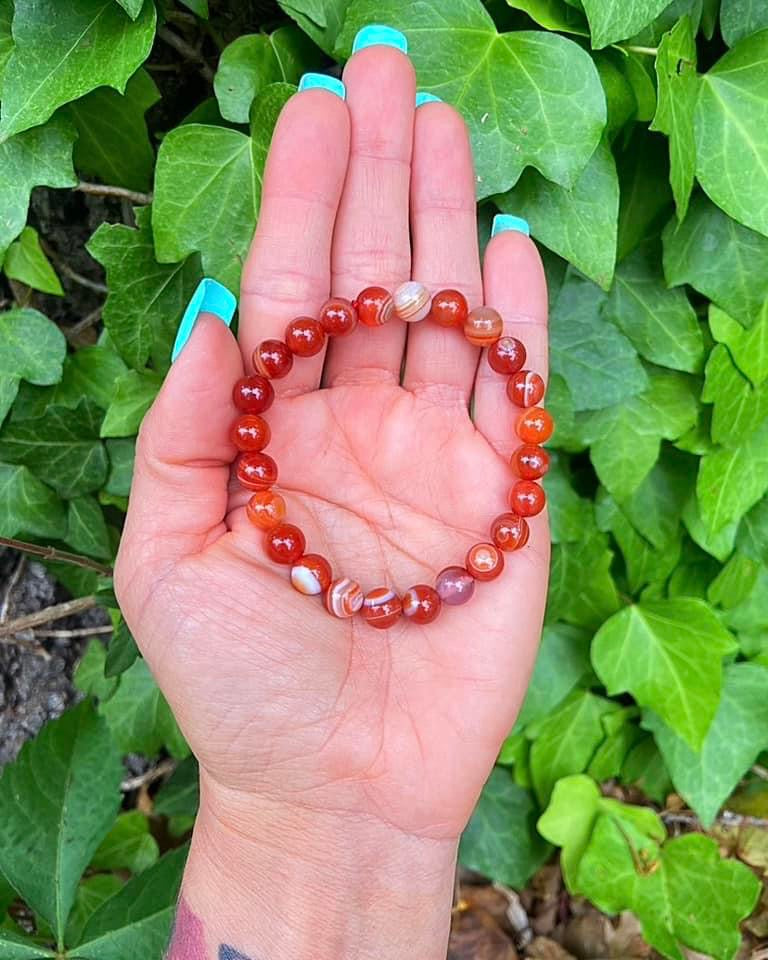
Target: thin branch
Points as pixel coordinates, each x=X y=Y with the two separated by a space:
x=726 y=819
x=13 y=582
x=760 y=771
x=81 y=632
x=72 y=333
x=29 y=645
x=187 y=51
x=155 y=773
x=648 y=51
x=51 y=553
x=121 y=193
x=57 y=612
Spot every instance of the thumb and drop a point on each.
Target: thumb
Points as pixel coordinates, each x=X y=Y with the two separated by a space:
x=183 y=453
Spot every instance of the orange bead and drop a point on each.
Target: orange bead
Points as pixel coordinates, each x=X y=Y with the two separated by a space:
x=449 y=308
x=256 y=471
x=338 y=317
x=485 y=561
x=304 y=337
x=530 y=461
x=343 y=598
x=374 y=306
x=253 y=394
x=421 y=604
x=507 y=355
x=311 y=574
x=285 y=543
x=250 y=432
x=272 y=359
x=535 y=426
x=266 y=509
x=527 y=498
x=525 y=388
x=509 y=532
x=382 y=608
x=483 y=326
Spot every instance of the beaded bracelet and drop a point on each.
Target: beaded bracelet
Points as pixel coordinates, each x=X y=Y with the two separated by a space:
x=311 y=573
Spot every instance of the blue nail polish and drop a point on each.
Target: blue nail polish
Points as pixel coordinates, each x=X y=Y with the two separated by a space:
x=210 y=297
x=321 y=81
x=505 y=221
x=426 y=98
x=376 y=34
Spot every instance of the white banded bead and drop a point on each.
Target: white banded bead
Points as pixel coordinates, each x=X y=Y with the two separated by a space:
x=412 y=301
x=344 y=597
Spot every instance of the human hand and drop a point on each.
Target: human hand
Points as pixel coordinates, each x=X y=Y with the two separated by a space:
x=324 y=729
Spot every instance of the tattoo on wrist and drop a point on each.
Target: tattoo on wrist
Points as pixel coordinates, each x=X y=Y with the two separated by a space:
x=188 y=939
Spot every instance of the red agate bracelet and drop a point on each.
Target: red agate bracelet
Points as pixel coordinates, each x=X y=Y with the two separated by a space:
x=311 y=573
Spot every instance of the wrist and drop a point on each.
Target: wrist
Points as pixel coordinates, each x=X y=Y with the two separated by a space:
x=278 y=882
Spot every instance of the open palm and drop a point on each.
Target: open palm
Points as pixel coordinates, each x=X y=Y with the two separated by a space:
x=390 y=482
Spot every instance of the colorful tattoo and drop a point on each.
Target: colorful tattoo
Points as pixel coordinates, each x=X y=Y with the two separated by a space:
x=188 y=940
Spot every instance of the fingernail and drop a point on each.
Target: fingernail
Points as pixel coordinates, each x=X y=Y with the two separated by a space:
x=321 y=81
x=505 y=221
x=210 y=297
x=426 y=98
x=377 y=34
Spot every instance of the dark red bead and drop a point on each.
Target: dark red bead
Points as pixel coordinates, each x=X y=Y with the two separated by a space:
x=253 y=394
x=256 y=471
x=273 y=359
x=525 y=388
x=374 y=306
x=507 y=355
x=285 y=544
x=509 y=532
x=338 y=317
x=449 y=308
x=421 y=604
x=485 y=561
x=382 y=608
x=250 y=432
x=530 y=461
x=305 y=337
x=527 y=498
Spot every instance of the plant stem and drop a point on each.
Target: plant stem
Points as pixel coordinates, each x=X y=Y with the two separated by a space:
x=121 y=193
x=56 y=612
x=51 y=553
x=648 y=51
x=187 y=51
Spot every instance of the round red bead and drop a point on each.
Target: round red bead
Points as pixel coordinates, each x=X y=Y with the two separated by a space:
x=338 y=317
x=256 y=471
x=343 y=598
x=455 y=585
x=421 y=604
x=305 y=337
x=449 y=308
x=374 y=306
x=509 y=532
x=530 y=461
x=535 y=426
x=483 y=326
x=250 y=432
x=507 y=355
x=266 y=509
x=273 y=359
x=253 y=394
x=382 y=608
x=525 y=388
x=285 y=544
x=311 y=574
x=527 y=498
x=485 y=561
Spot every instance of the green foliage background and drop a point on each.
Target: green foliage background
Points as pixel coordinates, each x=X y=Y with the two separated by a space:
x=633 y=135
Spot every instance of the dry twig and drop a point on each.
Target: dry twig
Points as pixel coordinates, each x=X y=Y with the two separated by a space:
x=57 y=612
x=163 y=768
x=80 y=632
x=187 y=51
x=120 y=193
x=51 y=553
x=13 y=582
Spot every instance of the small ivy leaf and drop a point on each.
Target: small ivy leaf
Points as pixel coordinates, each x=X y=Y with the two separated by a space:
x=122 y=652
x=719 y=544
x=31 y=346
x=741 y=18
x=27 y=506
x=574 y=598
x=26 y=262
x=319 y=19
x=529 y=98
x=500 y=839
x=726 y=491
x=678 y=88
x=128 y=846
x=730 y=124
x=134 y=394
x=668 y=655
x=87 y=529
x=58 y=820
x=62 y=53
x=724 y=261
x=553 y=15
x=748 y=348
x=739 y=408
x=578 y=224
x=654 y=509
x=612 y=20
x=644 y=768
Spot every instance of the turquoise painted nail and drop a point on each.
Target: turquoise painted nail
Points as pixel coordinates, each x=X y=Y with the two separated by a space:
x=321 y=81
x=505 y=221
x=426 y=98
x=377 y=34
x=210 y=297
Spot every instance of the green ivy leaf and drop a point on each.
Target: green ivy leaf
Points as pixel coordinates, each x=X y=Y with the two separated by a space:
x=730 y=123
x=678 y=86
x=253 y=61
x=146 y=298
x=571 y=517
x=740 y=18
x=196 y=167
x=562 y=661
x=27 y=506
x=64 y=448
x=621 y=735
x=319 y=19
x=180 y=795
x=612 y=20
x=6 y=36
x=737 y=736
x=553 y=15
x=748 y=348
x=89 y=675
x=91 y=893
x=128 y=846
x=644 y=768
x=62 y=53
x=529 y=98
x=724 y=489
x=739 y=408
x=752 y=537
x=19 y=948
x=668 y=655
x=132 y=7
x=578 y=224
x=113 y=142
x=26 y=262
x=137 y=920
x=134 y=394
x=87 y=530
x=122 y=652
x=121 y=456
x=57 y=801
x=620 y=97
x=598 y=363
x=655 y=508
x=721 y=259
x=31 y=347
x=582 y=601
